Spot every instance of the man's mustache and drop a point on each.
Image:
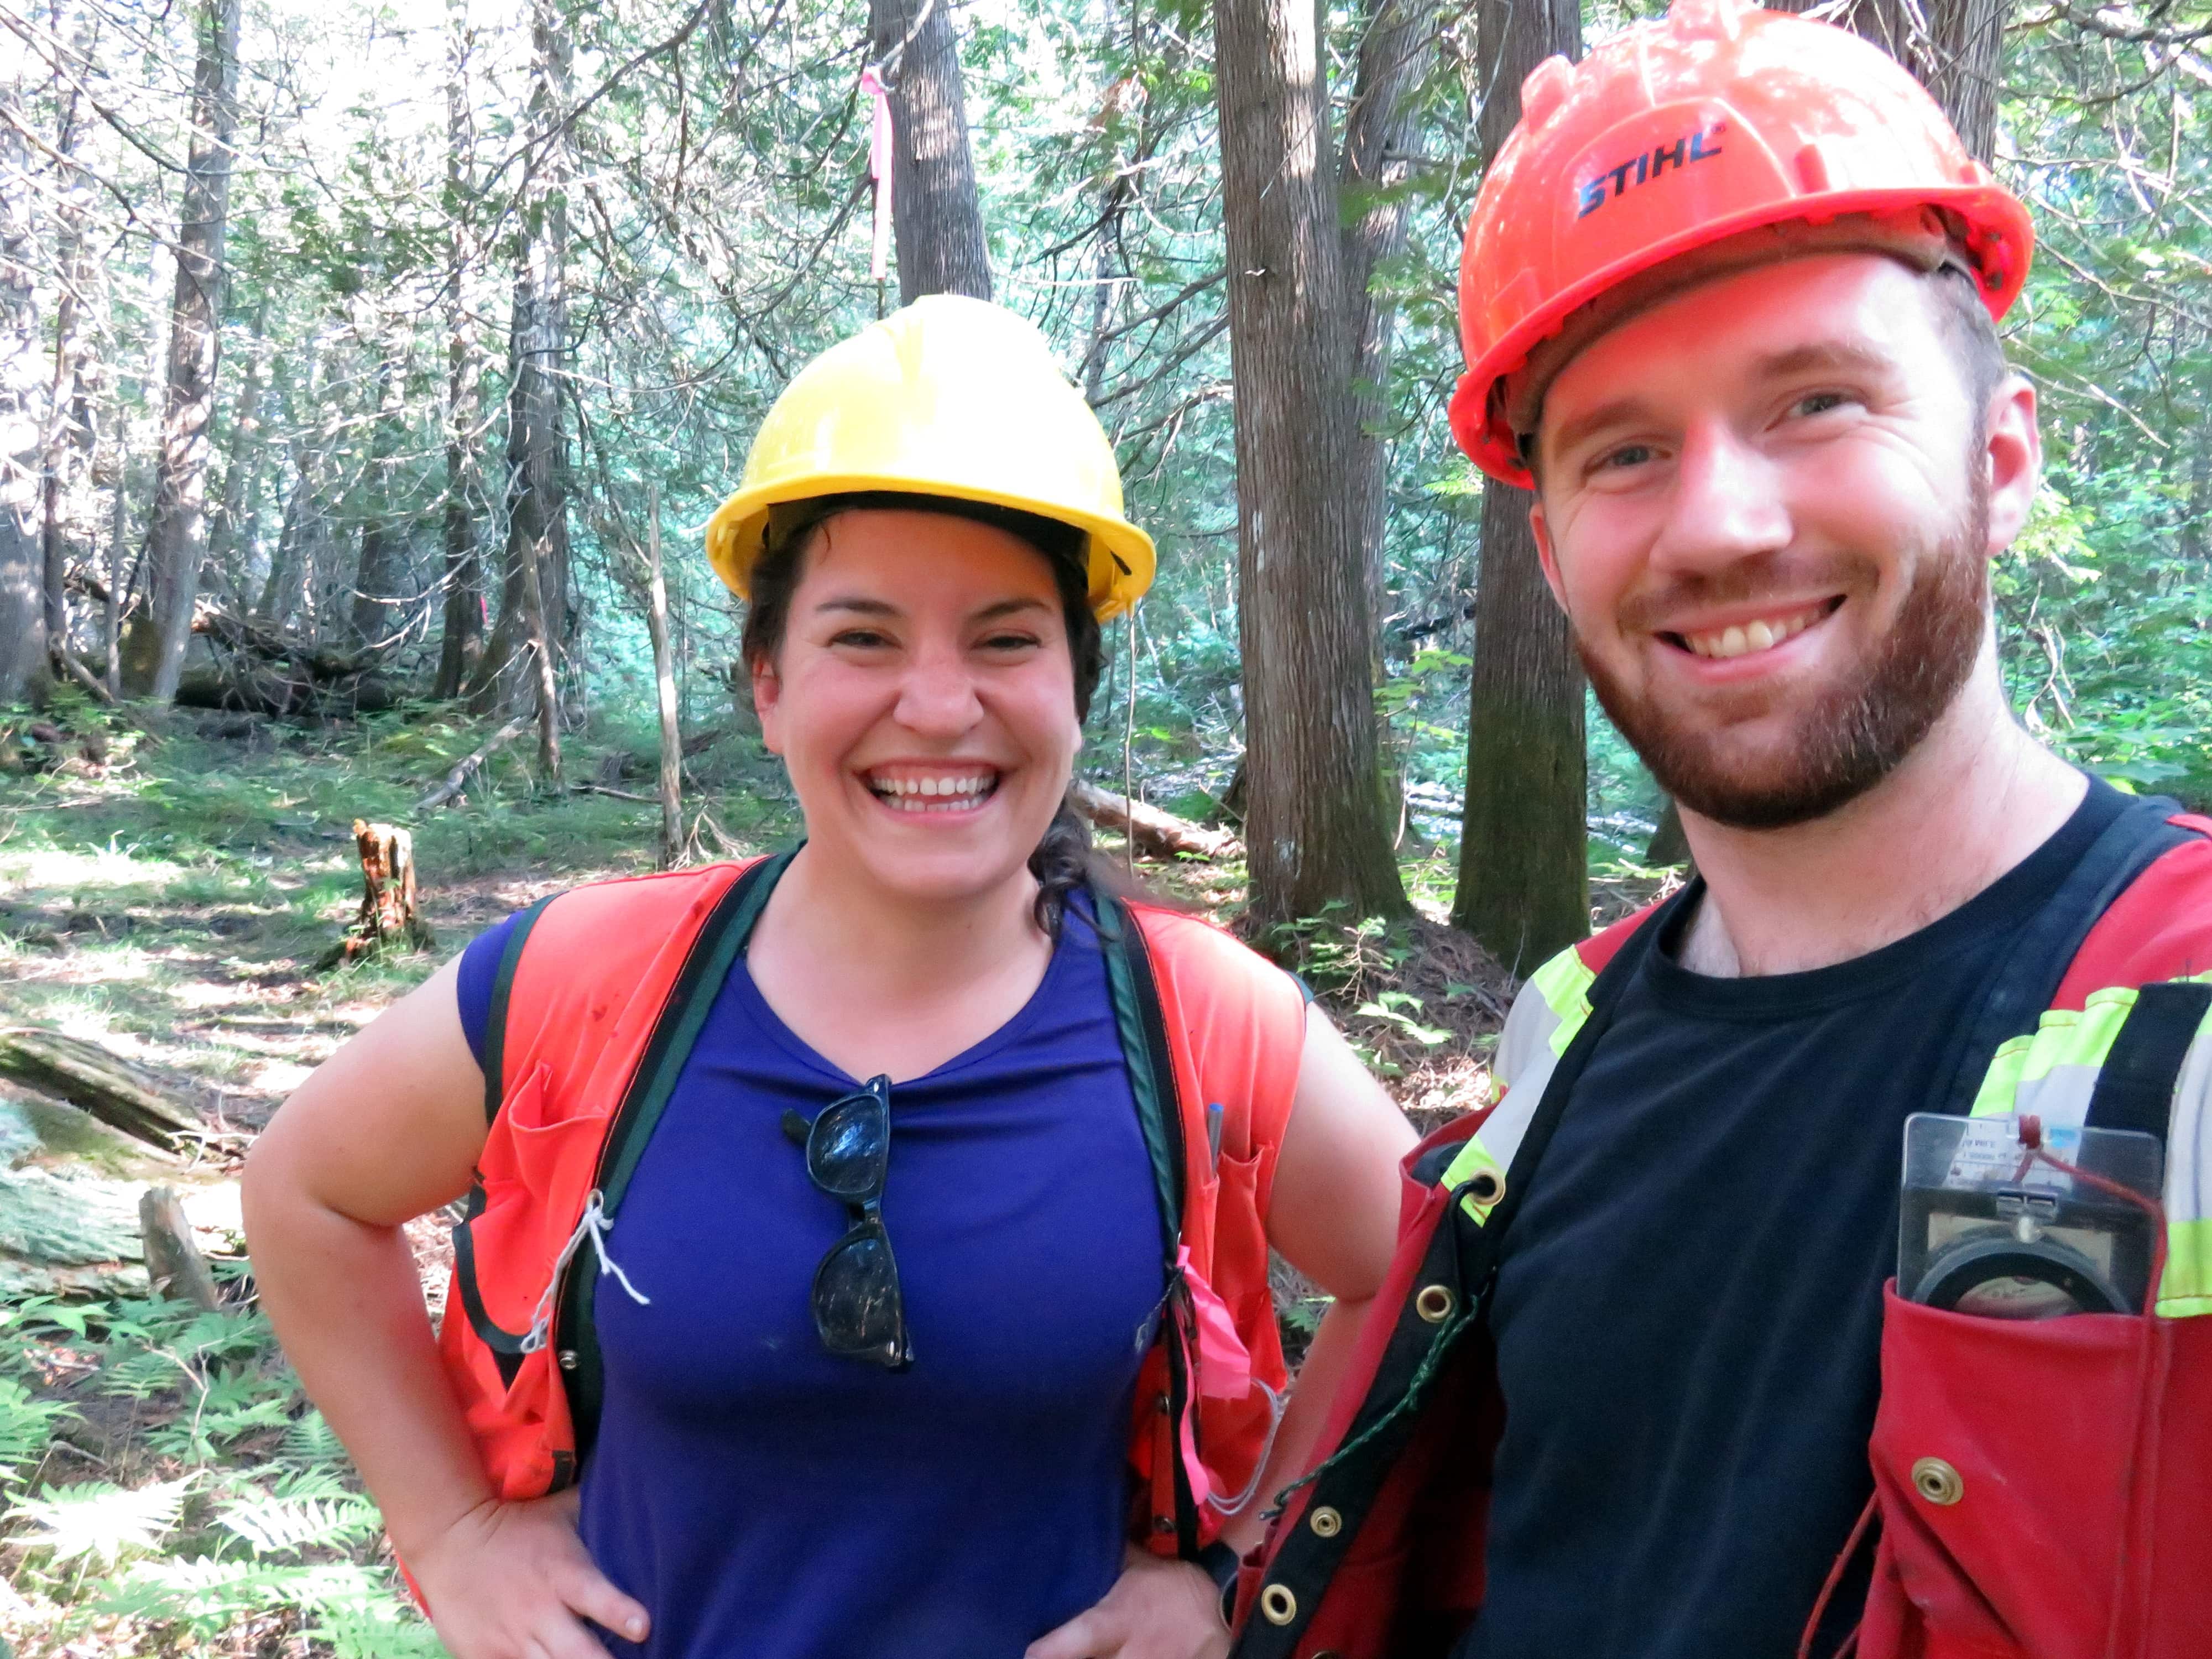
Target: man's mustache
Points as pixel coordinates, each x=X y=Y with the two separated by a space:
x=1800 y=576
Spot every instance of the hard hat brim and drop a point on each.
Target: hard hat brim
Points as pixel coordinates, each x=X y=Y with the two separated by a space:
x=1122 y=556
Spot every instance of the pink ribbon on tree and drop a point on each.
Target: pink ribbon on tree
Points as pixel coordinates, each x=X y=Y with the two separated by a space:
x=879 y=168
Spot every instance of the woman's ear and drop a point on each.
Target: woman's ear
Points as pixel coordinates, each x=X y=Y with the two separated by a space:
x=768 y=695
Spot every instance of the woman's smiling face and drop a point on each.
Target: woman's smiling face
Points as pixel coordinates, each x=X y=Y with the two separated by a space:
x=923 y=701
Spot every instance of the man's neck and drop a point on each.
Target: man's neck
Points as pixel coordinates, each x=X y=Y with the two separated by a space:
x=1977 y=797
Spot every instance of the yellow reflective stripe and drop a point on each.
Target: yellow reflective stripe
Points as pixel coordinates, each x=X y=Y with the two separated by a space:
x=2186 y=1290
x=2063 y=1036
x=1563 y=982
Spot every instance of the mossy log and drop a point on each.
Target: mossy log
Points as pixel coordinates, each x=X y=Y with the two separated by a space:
x=123 y=1097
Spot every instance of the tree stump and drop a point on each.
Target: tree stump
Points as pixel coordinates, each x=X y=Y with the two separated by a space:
x=174 y=1266
x=388 y=915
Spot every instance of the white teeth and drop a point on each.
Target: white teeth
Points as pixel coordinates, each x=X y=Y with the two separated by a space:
x=946 y=794
x=1741 y=641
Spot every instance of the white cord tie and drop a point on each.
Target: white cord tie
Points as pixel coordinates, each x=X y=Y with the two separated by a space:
x=594 y=1226
x=1277 y=1403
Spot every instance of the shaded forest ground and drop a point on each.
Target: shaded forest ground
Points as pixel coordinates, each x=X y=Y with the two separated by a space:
x=168 y=1491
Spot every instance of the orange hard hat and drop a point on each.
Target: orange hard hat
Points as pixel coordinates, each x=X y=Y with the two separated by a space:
x=1721 y=123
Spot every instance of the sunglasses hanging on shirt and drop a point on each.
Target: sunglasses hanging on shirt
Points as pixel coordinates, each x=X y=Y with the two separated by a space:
x=858 y=1310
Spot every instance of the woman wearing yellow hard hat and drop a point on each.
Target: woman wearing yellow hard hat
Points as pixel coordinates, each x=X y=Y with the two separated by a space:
x=866 y=1248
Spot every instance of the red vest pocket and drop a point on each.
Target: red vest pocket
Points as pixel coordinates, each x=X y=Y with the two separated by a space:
x=2041 y=1486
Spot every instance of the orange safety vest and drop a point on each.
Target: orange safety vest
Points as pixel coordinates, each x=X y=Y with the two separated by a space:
x=2069 y=1521
x=600 y=997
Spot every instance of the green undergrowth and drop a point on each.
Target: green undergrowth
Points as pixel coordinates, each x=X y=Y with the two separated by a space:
x=165 y=1489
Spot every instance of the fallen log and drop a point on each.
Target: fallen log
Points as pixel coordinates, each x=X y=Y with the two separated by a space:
x=613 y=793
x=1162 y=834
x=123 y=1097
x=457 y=779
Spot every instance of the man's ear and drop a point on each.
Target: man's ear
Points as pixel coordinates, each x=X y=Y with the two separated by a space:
x=768 y=695
x=1549 y=559
x=2011 y=459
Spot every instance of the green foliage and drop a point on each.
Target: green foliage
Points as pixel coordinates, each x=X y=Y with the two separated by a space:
x=241 y=1505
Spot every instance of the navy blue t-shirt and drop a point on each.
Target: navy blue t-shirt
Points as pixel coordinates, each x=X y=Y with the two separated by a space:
x=767 y=1500
x=1688 y=1307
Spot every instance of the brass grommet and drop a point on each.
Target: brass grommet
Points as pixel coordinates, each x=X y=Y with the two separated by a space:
x=1326 y=1523
x=1277 y=1605
x=1488 y=1186
x=1937 y=1481
x=1435 y=1303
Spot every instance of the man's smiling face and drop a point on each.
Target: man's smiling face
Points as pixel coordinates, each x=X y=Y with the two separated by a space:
x=1764 y=505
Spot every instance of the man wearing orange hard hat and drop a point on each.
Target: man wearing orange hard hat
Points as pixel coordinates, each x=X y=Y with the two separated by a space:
x=1831 y=1267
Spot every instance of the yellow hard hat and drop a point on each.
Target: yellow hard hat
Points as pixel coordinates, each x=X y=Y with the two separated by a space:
x=945 y=397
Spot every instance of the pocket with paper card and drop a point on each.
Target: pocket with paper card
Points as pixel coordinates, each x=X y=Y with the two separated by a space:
x=1989 y=1229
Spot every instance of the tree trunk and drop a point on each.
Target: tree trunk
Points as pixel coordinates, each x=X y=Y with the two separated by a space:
x=461 y=639
x=377 y=577
x=23 y=389
x=1669 y=845
x=119 y=509
x=176 y=540
x=1523 y=860
x=1954 y=47
x=936 y=219
x=1379 y=136
x=1313 y=829
x=664 y=679
x=534 y=590
x=232 y=516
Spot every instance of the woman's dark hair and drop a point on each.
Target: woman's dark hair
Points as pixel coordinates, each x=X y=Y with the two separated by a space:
x=1062 y=860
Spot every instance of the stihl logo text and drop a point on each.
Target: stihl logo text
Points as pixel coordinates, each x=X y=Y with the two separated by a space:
x=1700 y=146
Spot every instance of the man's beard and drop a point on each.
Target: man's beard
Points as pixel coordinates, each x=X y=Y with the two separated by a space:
x=1848 y=738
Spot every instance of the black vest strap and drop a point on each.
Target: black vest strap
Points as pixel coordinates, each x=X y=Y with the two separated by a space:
x=2137 y=836
x=2134 y=1089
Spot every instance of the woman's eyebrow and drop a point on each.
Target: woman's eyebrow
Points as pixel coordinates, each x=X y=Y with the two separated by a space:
x=857 y=605
x=1011 y=608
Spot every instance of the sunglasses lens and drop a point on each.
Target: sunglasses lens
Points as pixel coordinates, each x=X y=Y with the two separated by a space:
x=850 y=1147
x=856 y=1300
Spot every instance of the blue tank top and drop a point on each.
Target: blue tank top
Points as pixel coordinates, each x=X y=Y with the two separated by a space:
x=766 y=1500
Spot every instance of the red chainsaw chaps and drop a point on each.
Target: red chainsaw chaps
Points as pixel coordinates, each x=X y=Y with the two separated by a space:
x=2082 y=1523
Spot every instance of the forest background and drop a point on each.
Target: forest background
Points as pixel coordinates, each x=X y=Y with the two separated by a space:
x=355 y=360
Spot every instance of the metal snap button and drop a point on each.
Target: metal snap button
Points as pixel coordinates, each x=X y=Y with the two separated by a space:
x=1434 y=1303
x=1326 y=1523
x=1937 y=1481
x=1277 y=1605
x=568 y=1360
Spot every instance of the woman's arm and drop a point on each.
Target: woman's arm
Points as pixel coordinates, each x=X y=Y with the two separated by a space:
x=387 y=1129
x=1332 y=1212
